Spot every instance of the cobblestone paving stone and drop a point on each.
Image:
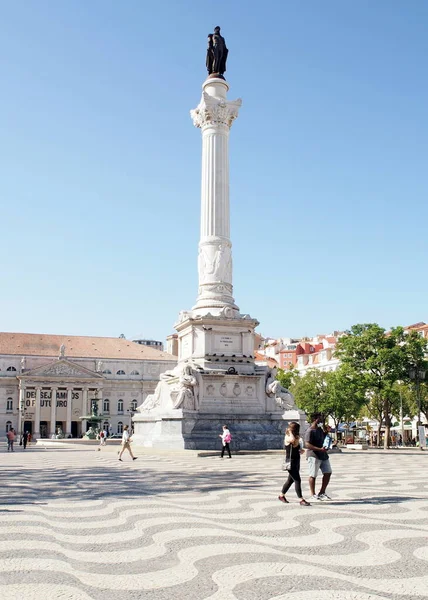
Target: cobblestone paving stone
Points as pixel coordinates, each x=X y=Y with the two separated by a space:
x=77 y=524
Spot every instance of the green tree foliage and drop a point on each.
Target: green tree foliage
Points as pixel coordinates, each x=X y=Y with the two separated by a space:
x=375 y=360
x=286 y=378
x=310 y=391
x=344 y=396
x=415 y=348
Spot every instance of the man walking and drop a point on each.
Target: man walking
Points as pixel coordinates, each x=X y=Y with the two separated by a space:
x=317 y=457
x=10 y=439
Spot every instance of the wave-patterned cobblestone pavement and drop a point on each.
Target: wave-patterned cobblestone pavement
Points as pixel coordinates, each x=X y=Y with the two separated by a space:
x=80 y=525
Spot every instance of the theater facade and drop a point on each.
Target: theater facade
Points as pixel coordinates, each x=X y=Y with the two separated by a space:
x=50 y=383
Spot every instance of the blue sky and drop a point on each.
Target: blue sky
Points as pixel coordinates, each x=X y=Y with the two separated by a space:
x=100 y=163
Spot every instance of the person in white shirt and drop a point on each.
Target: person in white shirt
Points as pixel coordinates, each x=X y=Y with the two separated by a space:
x=226 y=438
x=126 y=444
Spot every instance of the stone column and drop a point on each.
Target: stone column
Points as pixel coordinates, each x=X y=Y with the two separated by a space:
x=68 y=417
x=53 y=410
x=36 y=432
x=21 y=406
x=84 y=408
x=214 y=116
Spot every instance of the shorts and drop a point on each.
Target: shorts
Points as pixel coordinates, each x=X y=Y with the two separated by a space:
x=315 y=464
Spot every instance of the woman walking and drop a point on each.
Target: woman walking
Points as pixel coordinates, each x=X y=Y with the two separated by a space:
x=126 y=444
x=293 y=450
x=226 y=438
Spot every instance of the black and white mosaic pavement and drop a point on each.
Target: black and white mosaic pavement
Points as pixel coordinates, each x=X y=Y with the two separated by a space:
x=77 y=524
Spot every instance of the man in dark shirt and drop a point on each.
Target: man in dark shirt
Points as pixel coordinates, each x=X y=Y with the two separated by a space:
x=317 y=457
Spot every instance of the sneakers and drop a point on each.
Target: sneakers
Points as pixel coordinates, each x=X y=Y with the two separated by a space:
x=315 y=498
x=134 y=457
x=283 y=499
x=324 y=496
x=120 y=459
x=304 y=503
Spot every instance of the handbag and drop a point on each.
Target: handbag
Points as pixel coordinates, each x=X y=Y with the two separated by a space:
x=286 y=462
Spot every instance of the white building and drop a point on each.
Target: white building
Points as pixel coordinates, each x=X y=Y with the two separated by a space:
x=75 y=371
x=319 y=355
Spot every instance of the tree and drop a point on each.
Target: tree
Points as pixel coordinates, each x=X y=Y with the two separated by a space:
x=345 y=397
x=286 y=378
x=375 y=360
x=415 y=348
x=310 y=391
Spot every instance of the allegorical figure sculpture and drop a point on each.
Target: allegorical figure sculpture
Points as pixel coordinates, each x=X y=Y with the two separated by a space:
x=216 y=53
x=274 y=389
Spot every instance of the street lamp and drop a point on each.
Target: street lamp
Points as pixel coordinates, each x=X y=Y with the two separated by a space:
x=418 y=375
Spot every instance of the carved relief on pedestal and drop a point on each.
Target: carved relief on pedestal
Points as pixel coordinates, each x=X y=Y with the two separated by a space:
x=215 y=262
x=249 y=390
x=223 y=390
x=210 y=390
x=237 y=389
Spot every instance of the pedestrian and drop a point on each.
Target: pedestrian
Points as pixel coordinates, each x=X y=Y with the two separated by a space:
x=317 y=458
x=126 y=444
x=293 y=450
x=328 y=438
x=102 y=438
x=10 y=439
x=25 y=439
x=226 y=438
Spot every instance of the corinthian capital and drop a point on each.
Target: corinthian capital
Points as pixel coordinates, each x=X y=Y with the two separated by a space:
x=215 y=111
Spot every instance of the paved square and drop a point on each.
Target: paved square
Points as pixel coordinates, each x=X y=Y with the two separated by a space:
x=78 y=524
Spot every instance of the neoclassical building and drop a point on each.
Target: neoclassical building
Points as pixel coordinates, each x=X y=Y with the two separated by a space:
x=49 y=382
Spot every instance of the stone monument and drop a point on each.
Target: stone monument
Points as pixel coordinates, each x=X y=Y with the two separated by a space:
x=216 y=380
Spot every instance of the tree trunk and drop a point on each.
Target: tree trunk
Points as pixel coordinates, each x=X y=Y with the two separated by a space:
x=386 y=439
x=378 y=433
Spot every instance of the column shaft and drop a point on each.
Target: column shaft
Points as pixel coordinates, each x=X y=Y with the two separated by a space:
x=37 y=414
x=214 y=116
x=68 y=421
x=53 y=410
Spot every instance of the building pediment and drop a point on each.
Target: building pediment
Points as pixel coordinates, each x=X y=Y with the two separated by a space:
x=62 y=368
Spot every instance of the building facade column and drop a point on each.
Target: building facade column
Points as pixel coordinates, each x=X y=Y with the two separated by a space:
x=99 y=394
x=68 y=418
x=53 y=410
x=84 y=408
x=214 y=116
x=36 y=432
x=21 y=406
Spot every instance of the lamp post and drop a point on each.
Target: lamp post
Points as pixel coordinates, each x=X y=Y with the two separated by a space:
x=418 y=375
x=131 y=412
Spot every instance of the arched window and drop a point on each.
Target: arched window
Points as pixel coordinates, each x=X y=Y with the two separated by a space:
x=120 y=372
x=106 y=405
x=105 y=425
x=135 y=372
x=120 y=406
x=134 y=405
x=106 y=372
x=8 y=426
x=9 y=405
x=11 y=369
x=120 y=427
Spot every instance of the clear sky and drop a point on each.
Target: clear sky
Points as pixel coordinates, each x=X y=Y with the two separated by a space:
x=100 y=162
